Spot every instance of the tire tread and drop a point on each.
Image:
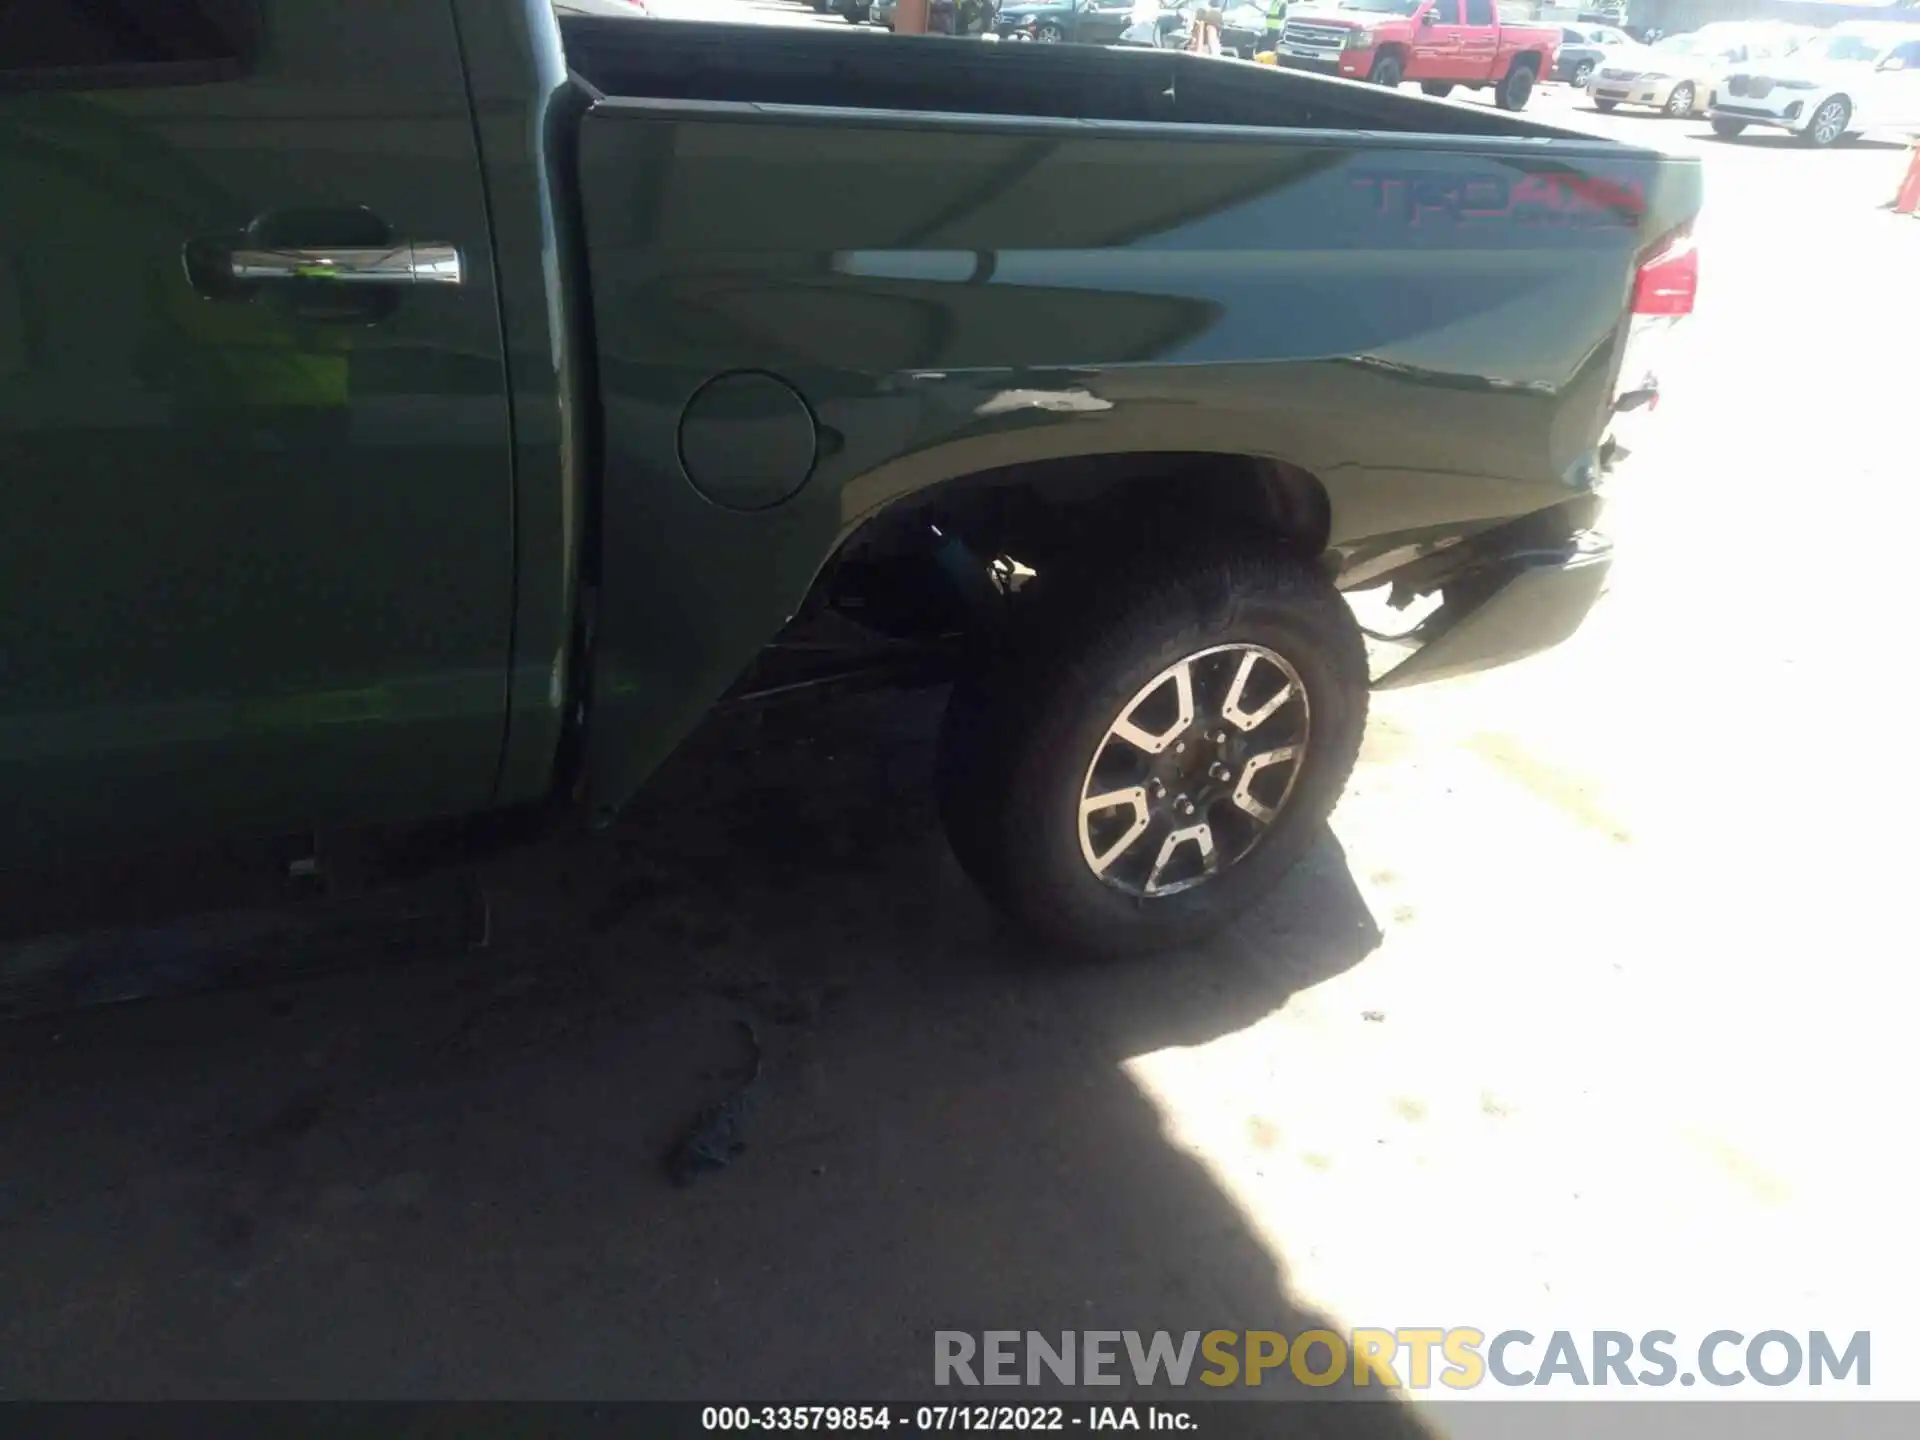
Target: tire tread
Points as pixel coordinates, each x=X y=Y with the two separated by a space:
x=1013 y=711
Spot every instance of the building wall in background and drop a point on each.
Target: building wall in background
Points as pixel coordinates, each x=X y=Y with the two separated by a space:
x=1677 y=16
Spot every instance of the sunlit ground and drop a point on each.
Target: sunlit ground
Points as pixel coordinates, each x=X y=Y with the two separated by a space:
x=1636 y=1051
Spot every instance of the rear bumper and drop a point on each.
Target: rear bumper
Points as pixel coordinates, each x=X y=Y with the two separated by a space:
x=1514 y=607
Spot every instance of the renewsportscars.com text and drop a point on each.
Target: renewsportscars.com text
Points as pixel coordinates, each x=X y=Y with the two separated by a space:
x=1461 y=1358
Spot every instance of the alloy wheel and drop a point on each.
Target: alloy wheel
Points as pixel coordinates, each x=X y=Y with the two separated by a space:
x=1830 y=121
x=1194 y=770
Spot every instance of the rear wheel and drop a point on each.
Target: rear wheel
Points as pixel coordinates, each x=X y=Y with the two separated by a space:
x=1605 y=107
x=1727 y=129
x=1146 y=765
x=1387 y=70
x=1049 y=34
x=1439 y=89
x=1680 y=102
x=1829 y=123
x=1516 y=89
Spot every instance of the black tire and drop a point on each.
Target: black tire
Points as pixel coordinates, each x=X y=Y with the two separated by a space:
x=1728 y=129
x=1438 y=89
x=1024 y=725
x=1516 y=89
x=1605 y=107
x=1582 y=73
x=1828 y=125
x=1387 y=70
x=1050 y=34
x=1680 y=101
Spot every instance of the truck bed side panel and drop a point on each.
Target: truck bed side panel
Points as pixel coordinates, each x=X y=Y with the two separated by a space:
x=1428 y=325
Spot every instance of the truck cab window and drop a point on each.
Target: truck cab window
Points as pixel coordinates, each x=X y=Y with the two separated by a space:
x=44 y=41
x=1445 y=12
x=1479 y=12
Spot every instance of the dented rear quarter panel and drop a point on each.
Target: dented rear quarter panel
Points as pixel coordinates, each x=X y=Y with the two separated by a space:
x=1428 y=324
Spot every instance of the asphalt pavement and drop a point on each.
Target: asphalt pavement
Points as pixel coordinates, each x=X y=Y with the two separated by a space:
x=1593 y=1011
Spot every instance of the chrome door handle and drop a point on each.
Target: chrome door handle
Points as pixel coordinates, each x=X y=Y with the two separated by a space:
x=404 y=264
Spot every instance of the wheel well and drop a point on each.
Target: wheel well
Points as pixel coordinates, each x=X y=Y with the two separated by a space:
x=1398 y=52
x=1064 y=513
x=1526 y=60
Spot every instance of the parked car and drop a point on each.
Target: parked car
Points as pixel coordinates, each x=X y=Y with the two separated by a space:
x=1085 y=22
x=433 y=409
x=881 y=13
x=1676 y=76
x=1583 y=48
x=1856 y=77
x=1440 y=43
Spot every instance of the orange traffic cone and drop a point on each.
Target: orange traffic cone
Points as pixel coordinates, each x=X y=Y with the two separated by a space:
x=1906 y=200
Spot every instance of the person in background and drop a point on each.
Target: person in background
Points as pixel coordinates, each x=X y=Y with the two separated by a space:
x=1276 y=22
x=975 y=17
x=1204 y=38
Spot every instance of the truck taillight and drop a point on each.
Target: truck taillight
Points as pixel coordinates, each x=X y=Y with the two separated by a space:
x=1664 y=287
x=1668 y=278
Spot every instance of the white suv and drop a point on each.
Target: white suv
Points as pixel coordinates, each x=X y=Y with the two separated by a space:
x=1857 y=77
x=1677 y=75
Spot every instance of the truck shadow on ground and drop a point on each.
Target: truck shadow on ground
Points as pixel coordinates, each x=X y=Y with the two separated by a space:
x=444 y=1178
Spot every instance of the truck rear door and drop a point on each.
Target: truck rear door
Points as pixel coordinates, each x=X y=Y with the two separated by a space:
x=255 y=501
x=1436 y=43
x=1479 y=53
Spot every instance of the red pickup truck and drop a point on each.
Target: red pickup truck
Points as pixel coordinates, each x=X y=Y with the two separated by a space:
x=1440 y=43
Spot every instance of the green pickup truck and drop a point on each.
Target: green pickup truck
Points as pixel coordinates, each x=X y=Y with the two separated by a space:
x=437 y=408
